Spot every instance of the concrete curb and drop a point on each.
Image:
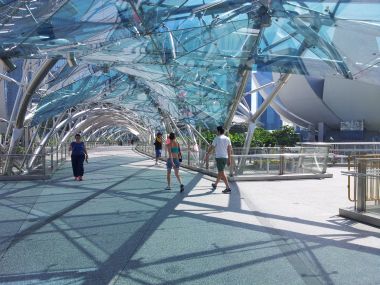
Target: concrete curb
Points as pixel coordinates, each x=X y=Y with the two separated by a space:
x=363 y=217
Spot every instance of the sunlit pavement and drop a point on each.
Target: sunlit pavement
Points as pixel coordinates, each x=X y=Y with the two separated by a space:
x=119 y=226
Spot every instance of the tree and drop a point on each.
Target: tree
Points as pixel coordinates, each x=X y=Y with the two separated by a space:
x=286 y=136
x=262 y=137
x=237 y=139
x=208 y=135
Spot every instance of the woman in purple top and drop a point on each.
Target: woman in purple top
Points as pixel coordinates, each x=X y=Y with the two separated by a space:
x=78 y=155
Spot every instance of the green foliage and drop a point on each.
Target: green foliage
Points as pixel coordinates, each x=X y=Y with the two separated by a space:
x=209 y=135
x=237 y=139
x=52 y=142
x=285 y=136
x=19 y=150
x=261 y=138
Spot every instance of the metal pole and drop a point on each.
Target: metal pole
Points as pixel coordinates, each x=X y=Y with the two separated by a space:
x=17 y=102
x=45 y=139
x=236 y=101
x=199 y=133
x=56 y=156
x=254 y=116
x=244 y=73
x=44 y=70
x=362 y=187
x=43 y=154
x=30 y=144
x=282 y=161
x=18 y=129
x=51 y=159
x=326 y=158
x=188 y=152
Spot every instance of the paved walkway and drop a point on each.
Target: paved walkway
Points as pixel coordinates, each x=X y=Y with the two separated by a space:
x=120 y=226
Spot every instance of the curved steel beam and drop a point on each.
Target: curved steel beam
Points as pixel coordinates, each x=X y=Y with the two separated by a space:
x=254 y=116
x=44 y=142
x=10 y=79
x=58 y=125
x=41 y=74
x=109 y=119
x=19 y=128
x=90 y=137
x=282 y=111
x=244 y=73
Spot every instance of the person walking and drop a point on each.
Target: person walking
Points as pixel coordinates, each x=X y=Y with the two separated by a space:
x=223 y=152
x=78 y=155
x=158 y=146
x=174 y=156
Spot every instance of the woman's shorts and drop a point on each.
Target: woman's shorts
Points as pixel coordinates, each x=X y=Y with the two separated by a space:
x=158 y=152
x=169 y=163
x=221 y=163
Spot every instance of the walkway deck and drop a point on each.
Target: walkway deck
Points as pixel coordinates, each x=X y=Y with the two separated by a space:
x=120 y=226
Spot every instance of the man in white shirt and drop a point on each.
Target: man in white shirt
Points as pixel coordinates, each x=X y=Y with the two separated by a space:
x=223 y=151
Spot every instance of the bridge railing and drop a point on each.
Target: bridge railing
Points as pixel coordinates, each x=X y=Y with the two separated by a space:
x=42 y=165
x=341 y=152
x=264 y=161
x=49 y=159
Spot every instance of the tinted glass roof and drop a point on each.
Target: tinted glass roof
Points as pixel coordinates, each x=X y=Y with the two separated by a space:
x=186 y=57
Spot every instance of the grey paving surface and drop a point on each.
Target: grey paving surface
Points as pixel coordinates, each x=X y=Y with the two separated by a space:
x=120 y=226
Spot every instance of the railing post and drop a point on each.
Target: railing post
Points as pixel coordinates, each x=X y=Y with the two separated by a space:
x=301 y=159
x=188 y=152
x=43 y=153
x=362 y=187
x=282 y=161
x=56 y=156
x=326 y=158
x=51 y=159
x=232 y=164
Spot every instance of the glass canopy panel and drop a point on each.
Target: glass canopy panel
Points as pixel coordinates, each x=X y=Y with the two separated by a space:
x=138 y=99
x=73 y=94
x=162 y=57
x=366 y=10
x=174 y=15
x=323 y=39
x=68 y=75
x=55 y=27
x=19 y=20
x=186 y=56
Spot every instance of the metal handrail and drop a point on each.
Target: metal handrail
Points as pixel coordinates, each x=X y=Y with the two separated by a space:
x=50 y=158
x=355 y=174
x=274 y=161
x=272 y=155
x=366 y=179
x=56 y=156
